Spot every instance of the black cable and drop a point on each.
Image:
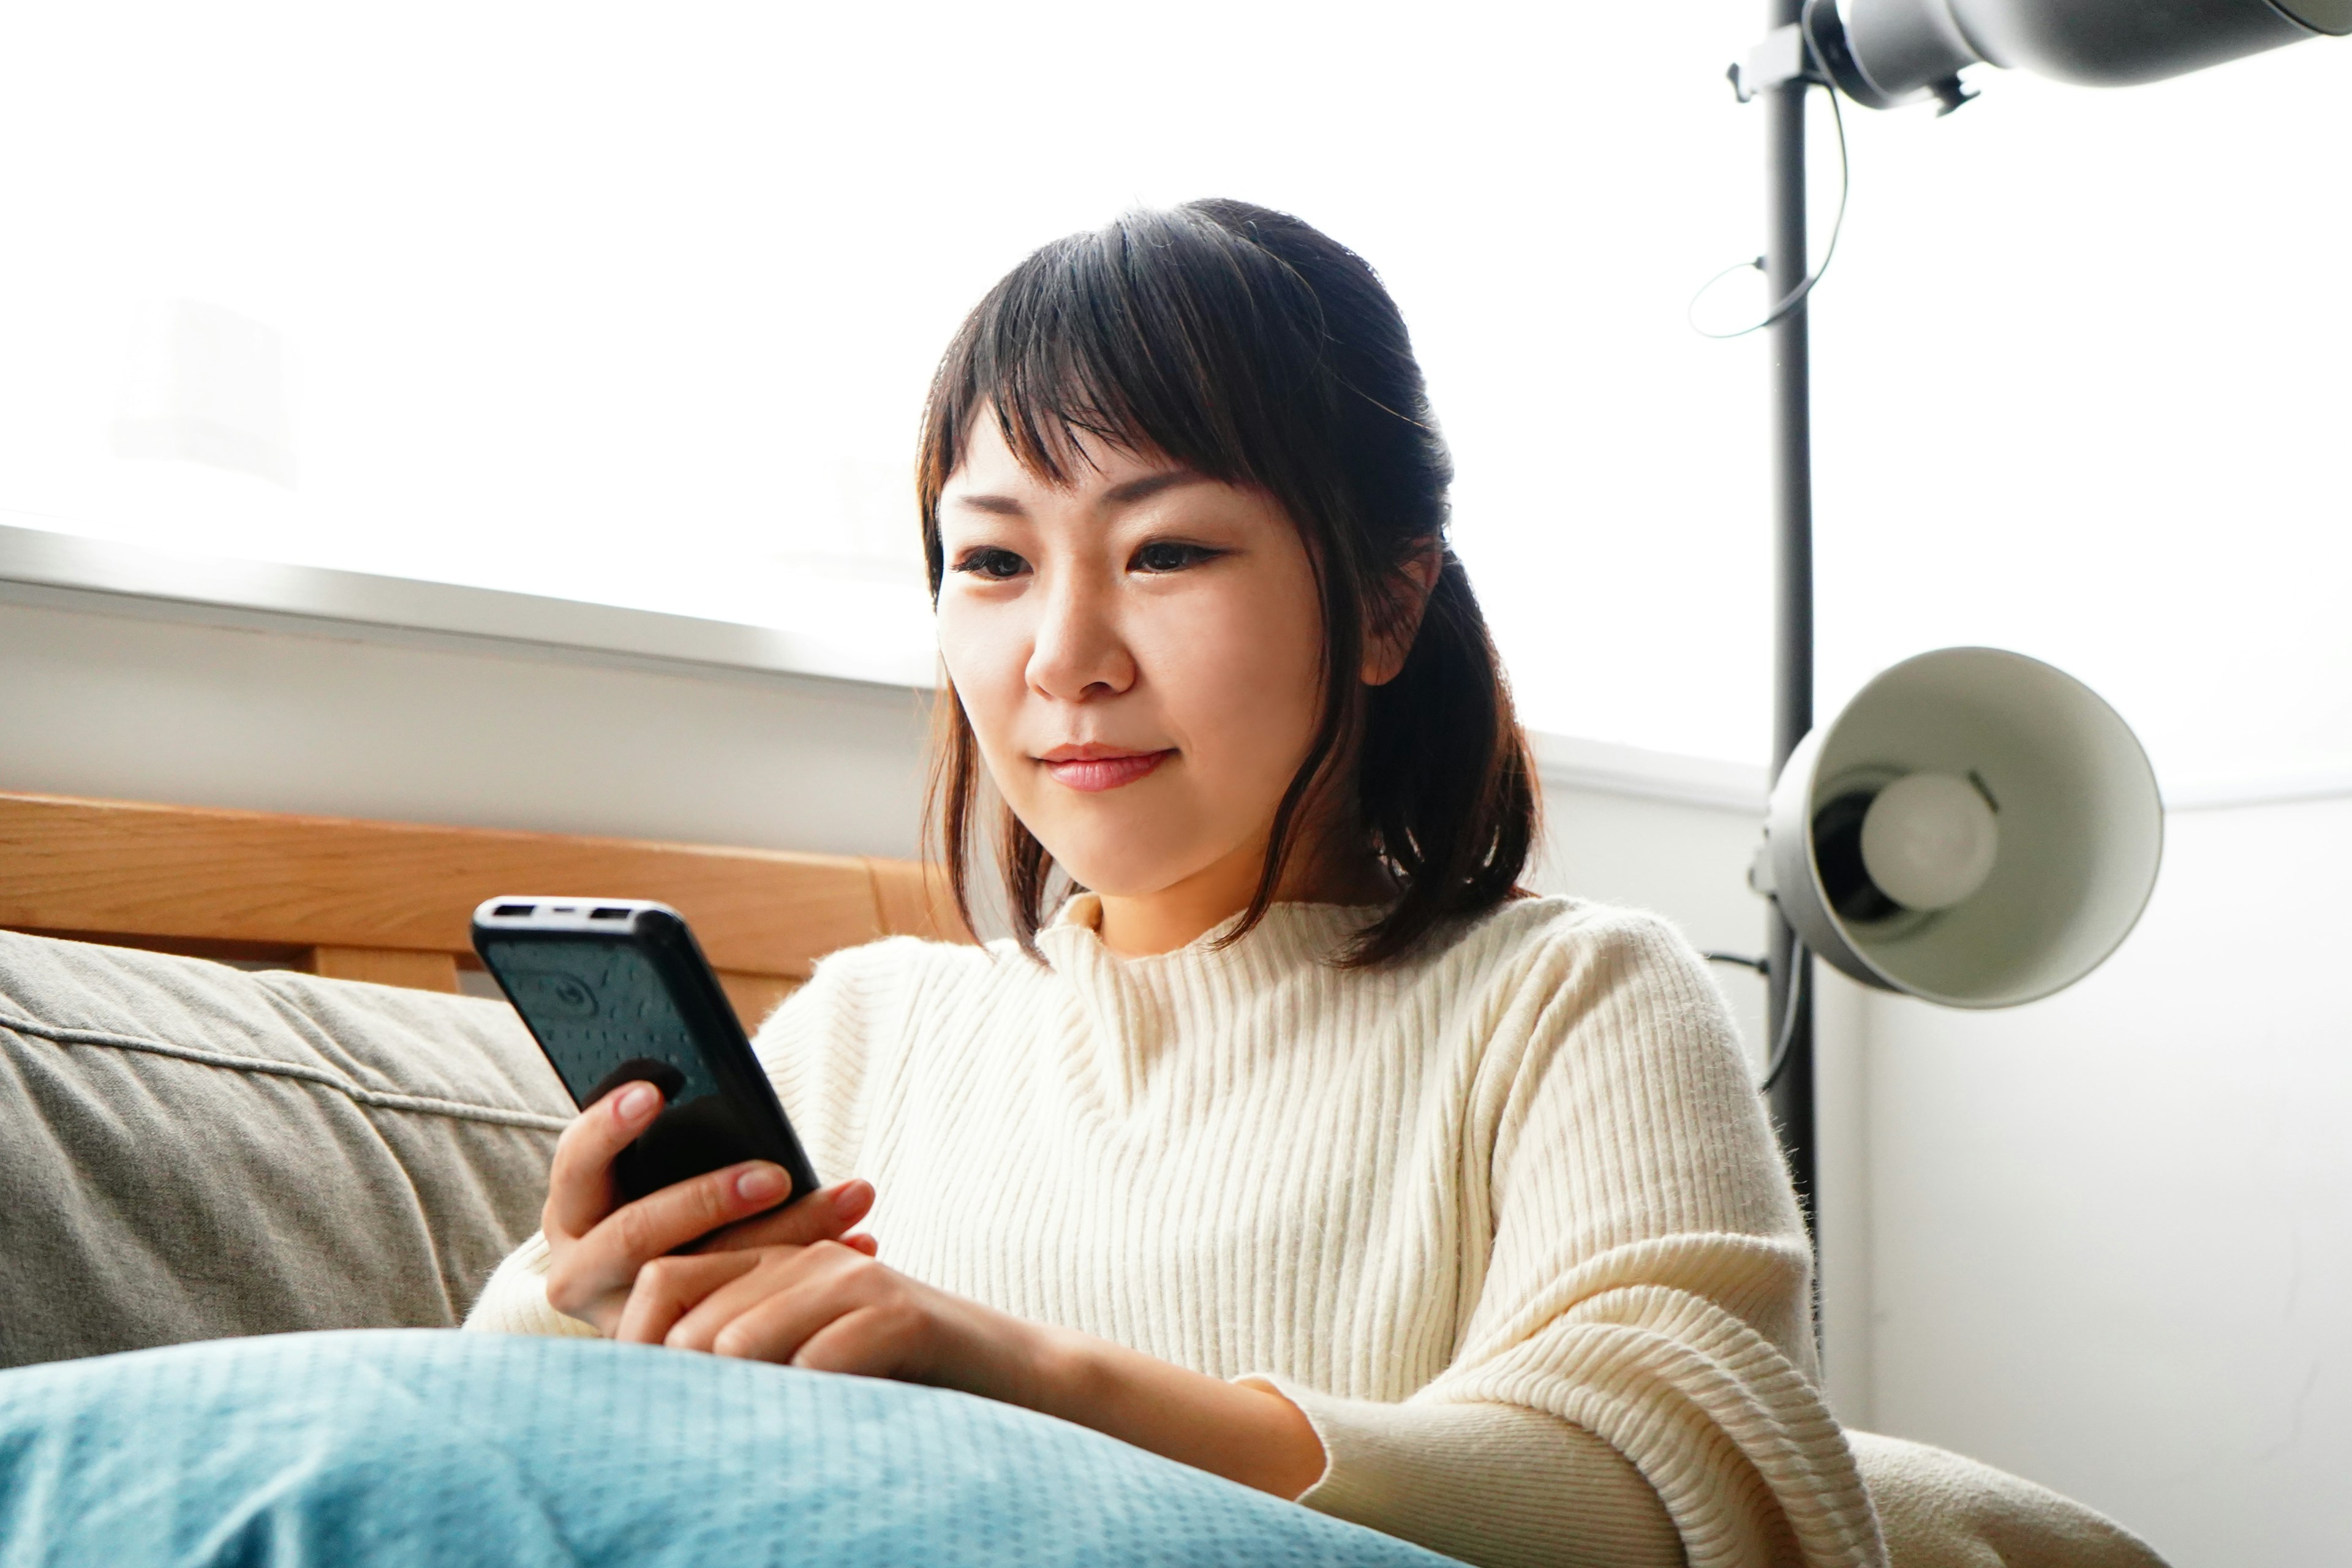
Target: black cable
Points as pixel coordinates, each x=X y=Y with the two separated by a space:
x=1760 y=965
x=1798 y=970
x=1816 y=76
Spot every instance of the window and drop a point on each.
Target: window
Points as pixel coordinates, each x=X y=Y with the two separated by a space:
x=637 y=306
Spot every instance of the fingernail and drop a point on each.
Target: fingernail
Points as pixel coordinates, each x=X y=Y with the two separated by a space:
x=853 y=1195
x=638 y=1100
x=759 y=1184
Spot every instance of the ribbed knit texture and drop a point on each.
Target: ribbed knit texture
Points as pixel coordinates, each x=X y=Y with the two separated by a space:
x=1505 y=1220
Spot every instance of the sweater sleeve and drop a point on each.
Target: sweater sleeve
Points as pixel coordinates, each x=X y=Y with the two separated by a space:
x=1637 y=1381
x=515 y=1301
x=813 y=1049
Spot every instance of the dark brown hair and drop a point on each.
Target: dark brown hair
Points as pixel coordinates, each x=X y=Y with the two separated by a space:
x=1248 y=346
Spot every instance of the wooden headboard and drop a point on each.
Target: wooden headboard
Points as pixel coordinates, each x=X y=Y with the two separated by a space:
x=390 y=901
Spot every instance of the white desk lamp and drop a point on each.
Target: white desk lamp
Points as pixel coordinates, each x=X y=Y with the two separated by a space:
x=1976 y=828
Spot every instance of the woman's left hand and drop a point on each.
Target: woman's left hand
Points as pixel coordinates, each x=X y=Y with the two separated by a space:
x=830 y=1308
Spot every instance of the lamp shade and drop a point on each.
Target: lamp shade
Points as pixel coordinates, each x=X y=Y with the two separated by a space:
x=1884 y=52
x=1977 y=828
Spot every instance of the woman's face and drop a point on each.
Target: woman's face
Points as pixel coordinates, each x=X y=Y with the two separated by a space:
x=1139 y=656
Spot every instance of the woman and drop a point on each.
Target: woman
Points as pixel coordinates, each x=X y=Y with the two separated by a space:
x=1298 y=1144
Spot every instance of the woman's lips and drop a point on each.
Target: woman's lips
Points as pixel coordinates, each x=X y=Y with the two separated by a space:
x=1094 y=775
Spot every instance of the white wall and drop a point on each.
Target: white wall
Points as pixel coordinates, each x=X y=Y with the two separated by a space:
x=1686 y=862
x=151 y=707
x=2113 y=1231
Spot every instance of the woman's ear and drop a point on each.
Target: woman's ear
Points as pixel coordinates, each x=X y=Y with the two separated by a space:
x=1389 y=638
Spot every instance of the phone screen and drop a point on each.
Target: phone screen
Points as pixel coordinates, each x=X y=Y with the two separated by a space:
x=599 y=1007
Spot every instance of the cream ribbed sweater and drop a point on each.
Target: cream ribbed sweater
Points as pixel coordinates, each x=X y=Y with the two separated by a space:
x=1505 y=1220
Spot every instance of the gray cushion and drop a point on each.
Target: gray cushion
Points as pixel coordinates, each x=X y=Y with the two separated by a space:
x=188 y=1151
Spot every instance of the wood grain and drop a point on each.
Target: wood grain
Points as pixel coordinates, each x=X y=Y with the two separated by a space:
x=163 y=875
x=322 y=881
x=386 y=966
x=912 y=897
x=755 y=995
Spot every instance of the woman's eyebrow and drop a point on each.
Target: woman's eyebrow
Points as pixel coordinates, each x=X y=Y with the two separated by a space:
x=1001 y=506
x=1126 y=494
x=1151 y=485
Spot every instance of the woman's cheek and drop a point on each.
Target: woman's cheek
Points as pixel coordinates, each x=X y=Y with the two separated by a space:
x=1242 y=684
x=986 y=656
x=985 y=648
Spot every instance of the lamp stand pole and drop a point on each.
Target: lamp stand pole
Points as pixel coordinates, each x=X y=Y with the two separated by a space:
x=1785 y=262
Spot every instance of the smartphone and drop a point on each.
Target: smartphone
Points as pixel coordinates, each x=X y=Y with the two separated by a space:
x=616 y=990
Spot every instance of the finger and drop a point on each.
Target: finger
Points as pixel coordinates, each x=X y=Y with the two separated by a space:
x=823 y=1215
x=864 y=1242
x=633 y=1235
x=667 y=1288
x=868 y=1343
x=789 y=1288
x=580 y=1182
x=778 y=1327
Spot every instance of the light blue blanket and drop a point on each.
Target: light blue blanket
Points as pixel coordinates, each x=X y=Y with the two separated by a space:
x=369 y=1449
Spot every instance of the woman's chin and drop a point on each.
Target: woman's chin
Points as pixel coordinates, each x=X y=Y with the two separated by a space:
x=1117 y=871
x=1124 y=881
x=1117 y=859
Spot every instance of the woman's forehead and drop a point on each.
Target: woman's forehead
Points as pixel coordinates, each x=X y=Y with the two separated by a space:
x=1090 y=462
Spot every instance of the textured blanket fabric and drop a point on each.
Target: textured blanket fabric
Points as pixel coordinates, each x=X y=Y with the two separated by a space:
x=369 y=1449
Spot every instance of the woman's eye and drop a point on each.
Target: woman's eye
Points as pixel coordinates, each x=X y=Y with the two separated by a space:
x=1165 y=557
x=997 y=566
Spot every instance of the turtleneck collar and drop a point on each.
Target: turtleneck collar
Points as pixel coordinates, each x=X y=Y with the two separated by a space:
x=1231 y=1003
x=1292 y=932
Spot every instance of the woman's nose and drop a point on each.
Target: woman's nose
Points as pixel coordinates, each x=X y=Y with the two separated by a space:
x=1078 y=652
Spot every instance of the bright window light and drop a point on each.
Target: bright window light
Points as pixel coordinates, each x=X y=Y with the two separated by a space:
x=638 y=306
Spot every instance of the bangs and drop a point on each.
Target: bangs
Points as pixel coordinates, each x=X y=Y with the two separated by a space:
x=1164 y=333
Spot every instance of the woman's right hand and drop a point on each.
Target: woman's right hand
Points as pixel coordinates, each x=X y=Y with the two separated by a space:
x=594 y=1249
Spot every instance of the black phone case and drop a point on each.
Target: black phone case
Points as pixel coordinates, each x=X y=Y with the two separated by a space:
x=620 y=991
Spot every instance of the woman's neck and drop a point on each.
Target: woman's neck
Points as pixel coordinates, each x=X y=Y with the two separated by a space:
x=1141 y=924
